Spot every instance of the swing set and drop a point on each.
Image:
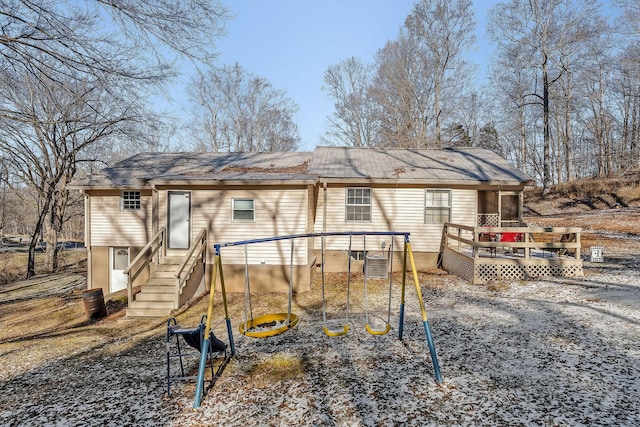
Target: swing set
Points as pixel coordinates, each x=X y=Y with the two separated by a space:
x=270 y=324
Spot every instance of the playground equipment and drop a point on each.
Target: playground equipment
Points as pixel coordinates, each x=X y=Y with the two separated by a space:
x=272 y=324
x=373 y=271
x=194 y=338
x=345 y=328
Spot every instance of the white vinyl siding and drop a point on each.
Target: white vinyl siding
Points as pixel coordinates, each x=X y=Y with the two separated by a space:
x=464 y=207
x=111 y=226
x=393 y=209
x=277 y=212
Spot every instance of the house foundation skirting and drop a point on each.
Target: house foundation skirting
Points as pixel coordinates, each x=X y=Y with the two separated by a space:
x=338 y=261
x=275 y=278
x=263 y=278
x=484 y=270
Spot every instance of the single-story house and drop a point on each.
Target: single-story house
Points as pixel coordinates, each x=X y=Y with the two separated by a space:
x=180 y=200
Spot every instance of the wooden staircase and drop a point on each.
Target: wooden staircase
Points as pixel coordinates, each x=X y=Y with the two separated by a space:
x=157 y=297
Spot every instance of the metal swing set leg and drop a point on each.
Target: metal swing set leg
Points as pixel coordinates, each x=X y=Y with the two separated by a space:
x=408 y=253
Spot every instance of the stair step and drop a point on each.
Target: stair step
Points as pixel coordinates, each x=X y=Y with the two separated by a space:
x=164 y=267
x=163 y=274
x=155 y=296
x=171 y=260
x=146 y=312
x=158 y=289
x=161 y=281
x=160 y=305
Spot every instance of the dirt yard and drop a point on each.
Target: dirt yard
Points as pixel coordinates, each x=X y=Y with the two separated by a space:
x=542 y=352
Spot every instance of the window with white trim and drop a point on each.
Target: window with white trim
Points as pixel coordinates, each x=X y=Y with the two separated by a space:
x=358 y=205
x=437 y=207
x=130 y=201
x=243 y=209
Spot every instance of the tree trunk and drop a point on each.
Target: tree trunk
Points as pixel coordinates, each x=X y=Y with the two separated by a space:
x=546 y=160
x=438 y=118
x=568 y=150
x=523 y=140
x=633 y=139
x=35 y=237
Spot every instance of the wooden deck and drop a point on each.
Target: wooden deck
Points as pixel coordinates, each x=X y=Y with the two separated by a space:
x=484 y=254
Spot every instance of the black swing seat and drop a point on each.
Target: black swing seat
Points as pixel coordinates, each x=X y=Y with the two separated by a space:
x=194 y=338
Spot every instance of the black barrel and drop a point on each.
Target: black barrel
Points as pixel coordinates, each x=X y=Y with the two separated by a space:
x=93 y=301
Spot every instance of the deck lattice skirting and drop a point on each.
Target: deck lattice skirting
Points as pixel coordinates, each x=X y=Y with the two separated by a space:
x=461 y=254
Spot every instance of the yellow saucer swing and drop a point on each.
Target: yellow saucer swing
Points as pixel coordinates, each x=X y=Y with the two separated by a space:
x=270 y=324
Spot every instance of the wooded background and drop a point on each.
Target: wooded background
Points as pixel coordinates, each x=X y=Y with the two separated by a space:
x=78 y=83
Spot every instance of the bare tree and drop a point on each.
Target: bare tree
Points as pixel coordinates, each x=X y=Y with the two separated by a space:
x=443 y=31
x=417 y=86
x=544 y=31
x=509 y=84
x=71 y=74
x=629 y=19
x=45 y=127
x=628 y=85
x=403 y=96
x=236 y=111
x=354 y=120
x=57 y=38
x=627 y=89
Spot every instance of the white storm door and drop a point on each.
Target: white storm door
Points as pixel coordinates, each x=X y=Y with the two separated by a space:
x=179 y=226
x=119 y=260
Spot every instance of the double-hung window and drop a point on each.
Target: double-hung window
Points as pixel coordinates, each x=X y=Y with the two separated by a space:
x=243 y=209
x=437 y=208
x=358 y=205
x=130 y=201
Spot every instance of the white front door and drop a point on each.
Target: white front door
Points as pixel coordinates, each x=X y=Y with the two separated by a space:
x=179 y=212
x=119 y=260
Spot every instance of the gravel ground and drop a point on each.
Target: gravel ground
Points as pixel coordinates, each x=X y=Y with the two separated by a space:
x=544 y=352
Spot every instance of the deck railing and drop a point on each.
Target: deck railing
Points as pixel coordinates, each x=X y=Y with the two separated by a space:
x=483 y=254
x=155 y=246
x=198 y=251
x=555 y=241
